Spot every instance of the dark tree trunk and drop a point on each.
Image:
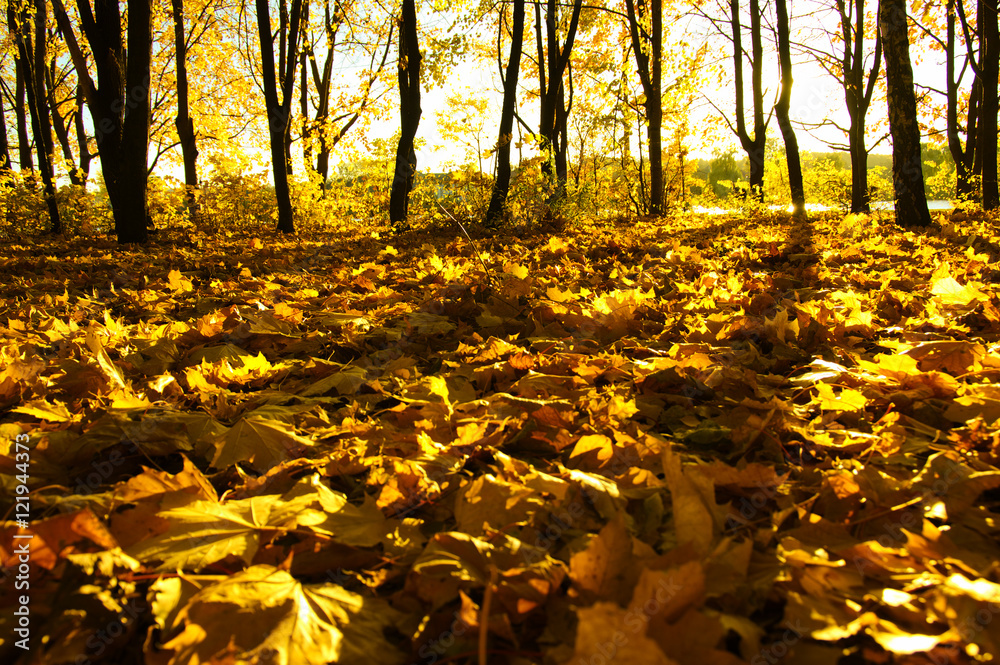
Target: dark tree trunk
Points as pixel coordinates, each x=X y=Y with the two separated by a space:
x=119 y=105
x=553 y=60
x=331 y=25
x=858 y=95
x=963 y=156
x=41 y=125
x=322 y=81
x=304 y=94
x=860 y=198
x=986 y=139
x=781 y=111
x=501 y=186
x=183 y=122
x=409 y=113
x=83 y=147
x=754 y=147
x=545 y=111
x=303 y=97
x=24 y=158
x=32 y=59
x=5 y=165
x=907 y=170
x=279 y=112
x=286 y=81
x=648 y=48
x=562 y=108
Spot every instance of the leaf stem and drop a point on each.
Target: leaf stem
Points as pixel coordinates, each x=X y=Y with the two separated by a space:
x=489 y=275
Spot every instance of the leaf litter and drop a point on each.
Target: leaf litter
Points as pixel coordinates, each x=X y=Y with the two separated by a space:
x=697 y=441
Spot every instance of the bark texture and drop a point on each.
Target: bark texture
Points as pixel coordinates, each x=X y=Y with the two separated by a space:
x=907 y=170
x=409 y=113
x=501 y=185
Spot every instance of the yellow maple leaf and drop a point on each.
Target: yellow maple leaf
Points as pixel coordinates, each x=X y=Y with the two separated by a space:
x=847 y=400
x=950 y=292
x=598 y=442
x=178 y=282
x=892 y=366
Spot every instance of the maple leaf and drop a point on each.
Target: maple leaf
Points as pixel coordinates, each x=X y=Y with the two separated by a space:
x=262 y=442
x=263 y=614
x=949 y=292
x=847 y=399
x=204 y=532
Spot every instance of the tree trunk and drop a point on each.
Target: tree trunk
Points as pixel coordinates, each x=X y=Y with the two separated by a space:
x=183 y=122
x=781 y=110
x=5 y=164
x=545 y=108
x=858 y=96
x=131 y=214
x=907 y=170
x=32 y=60
x=119 y=105
x=562 y=109
x=963 y=156
x=279 y=112
x=860 y=198
x=754 y=147
x=83 y=147
x=654 y=114
x=409 y=114
x=648 y=50
x=286 y=81
x=501 y=186
x=307 y=151
x=553 y=60
x=24 y=158
x=331 y=25
x=986 y=139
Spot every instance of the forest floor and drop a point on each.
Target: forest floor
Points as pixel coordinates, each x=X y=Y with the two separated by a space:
x=705 y=440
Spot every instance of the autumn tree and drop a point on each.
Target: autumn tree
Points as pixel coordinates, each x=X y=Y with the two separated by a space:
x=967 y=108
x=409 y=113
x=118 y=102
x=183 y=122
x=554 y=106
x=781 y=111
x=854 y=60
x=5 y=164
x=501 y=185
x=62 y=95
x=279 y=109
x=985 y=160
x=31 y=57
x=18 y=105
x=907 y=172
x=858 y=91
x=83 y=152
x=325 y=120
x=645 y=22
x=752 y=145
x=963 y=154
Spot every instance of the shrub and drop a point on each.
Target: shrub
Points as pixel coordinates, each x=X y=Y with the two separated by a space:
x=233 y=199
